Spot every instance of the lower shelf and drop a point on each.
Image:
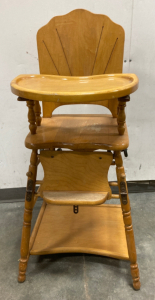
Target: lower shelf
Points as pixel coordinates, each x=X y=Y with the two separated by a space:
x=96 y=230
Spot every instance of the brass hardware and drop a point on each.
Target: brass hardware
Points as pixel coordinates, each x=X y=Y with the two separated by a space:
x=123 y=192
x=29 y=190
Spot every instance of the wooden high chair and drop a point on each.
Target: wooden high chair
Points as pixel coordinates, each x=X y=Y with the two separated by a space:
x=79 y=50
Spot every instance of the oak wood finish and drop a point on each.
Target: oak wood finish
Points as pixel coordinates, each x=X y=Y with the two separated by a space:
x=126 y=210
x=37 y=110
x=37 y=224
x=113 y=183
x=75 y=171
x=27 y=217
x=82 y=48
x=31 y=117
x=80 y=43
x=78 y=132
x=67 y=89
x=78 y=234
x=121 y=114
x=74 y=198
x=115 y=196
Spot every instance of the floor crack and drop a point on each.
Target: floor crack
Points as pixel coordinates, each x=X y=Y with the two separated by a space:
x=85 y=279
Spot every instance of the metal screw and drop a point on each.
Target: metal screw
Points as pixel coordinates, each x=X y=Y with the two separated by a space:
x=125 y=60
x=130 y=60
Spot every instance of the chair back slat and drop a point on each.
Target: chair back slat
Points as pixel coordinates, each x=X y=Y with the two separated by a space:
x=80 y=44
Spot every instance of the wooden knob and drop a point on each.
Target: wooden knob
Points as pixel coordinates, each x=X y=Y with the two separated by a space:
x=123 y=176
x=29 y=174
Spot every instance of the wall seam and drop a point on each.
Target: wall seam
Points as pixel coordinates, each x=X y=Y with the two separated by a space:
x=131 y=34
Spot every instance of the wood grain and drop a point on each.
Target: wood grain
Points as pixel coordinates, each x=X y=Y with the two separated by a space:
x=78 y=132
x=121 y=113
x=74 y=90
x=24 y=250
x=74 y=198
x=75 y=171
x=36 y=226
x=31 y=117
x=80 y=43
x=96 y=230
x=37 y=110
x=126 y=210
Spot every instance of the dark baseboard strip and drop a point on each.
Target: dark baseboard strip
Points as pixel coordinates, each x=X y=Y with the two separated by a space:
x=18 y=194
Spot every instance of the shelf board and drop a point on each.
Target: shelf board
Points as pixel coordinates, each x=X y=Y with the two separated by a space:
x=95 y=230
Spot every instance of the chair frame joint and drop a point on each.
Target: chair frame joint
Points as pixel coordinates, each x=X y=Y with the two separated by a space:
x=123 y=192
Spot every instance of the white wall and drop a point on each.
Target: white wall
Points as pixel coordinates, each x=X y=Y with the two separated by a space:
x=19 y=23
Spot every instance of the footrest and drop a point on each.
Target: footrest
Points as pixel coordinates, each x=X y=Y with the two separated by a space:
x=74 y=197
x=95 y=230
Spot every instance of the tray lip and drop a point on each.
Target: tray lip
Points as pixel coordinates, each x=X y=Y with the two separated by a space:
x=66 y=96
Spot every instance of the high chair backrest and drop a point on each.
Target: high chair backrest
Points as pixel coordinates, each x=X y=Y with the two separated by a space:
x=80 y=44
x=75 y=171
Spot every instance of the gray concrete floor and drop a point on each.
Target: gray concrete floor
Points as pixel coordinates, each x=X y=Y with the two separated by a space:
x=77 y=276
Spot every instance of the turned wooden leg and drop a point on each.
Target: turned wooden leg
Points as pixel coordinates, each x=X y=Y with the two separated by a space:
x=126 y=210
x=31 y=117
x=27 y=216
x=37 y=111
x=121 y=117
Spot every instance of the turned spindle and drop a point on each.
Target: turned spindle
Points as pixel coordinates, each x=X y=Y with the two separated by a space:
x=37 y=110
x=31 y=116
x=29 y=197
x=121 y=113
x=126 y=210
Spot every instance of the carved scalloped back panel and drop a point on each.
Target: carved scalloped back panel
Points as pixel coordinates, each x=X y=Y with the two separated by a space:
x=80 y=44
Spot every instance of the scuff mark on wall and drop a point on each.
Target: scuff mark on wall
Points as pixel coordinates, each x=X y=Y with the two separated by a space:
x=31 y=55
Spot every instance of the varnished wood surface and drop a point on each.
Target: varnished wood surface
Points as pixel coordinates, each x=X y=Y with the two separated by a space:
x=80 y=43
x=76 y=132
x=74 y=89
x=74 y=198
x=37 y=224
x=49 y=107
x=96 y=230
x=126 y=210
x=76 y=171
x=31 y=117
x=26 y=231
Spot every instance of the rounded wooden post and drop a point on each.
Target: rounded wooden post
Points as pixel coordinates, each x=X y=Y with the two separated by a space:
x=37 y=110
x=126 y=210
x=121 y=114
x=31 y=116
x=27 y=216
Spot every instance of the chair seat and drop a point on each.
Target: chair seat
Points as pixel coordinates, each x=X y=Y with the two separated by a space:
x=74 y=197
x=78 y=132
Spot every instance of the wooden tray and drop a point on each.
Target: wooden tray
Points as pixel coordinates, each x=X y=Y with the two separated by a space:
x=69 y=89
